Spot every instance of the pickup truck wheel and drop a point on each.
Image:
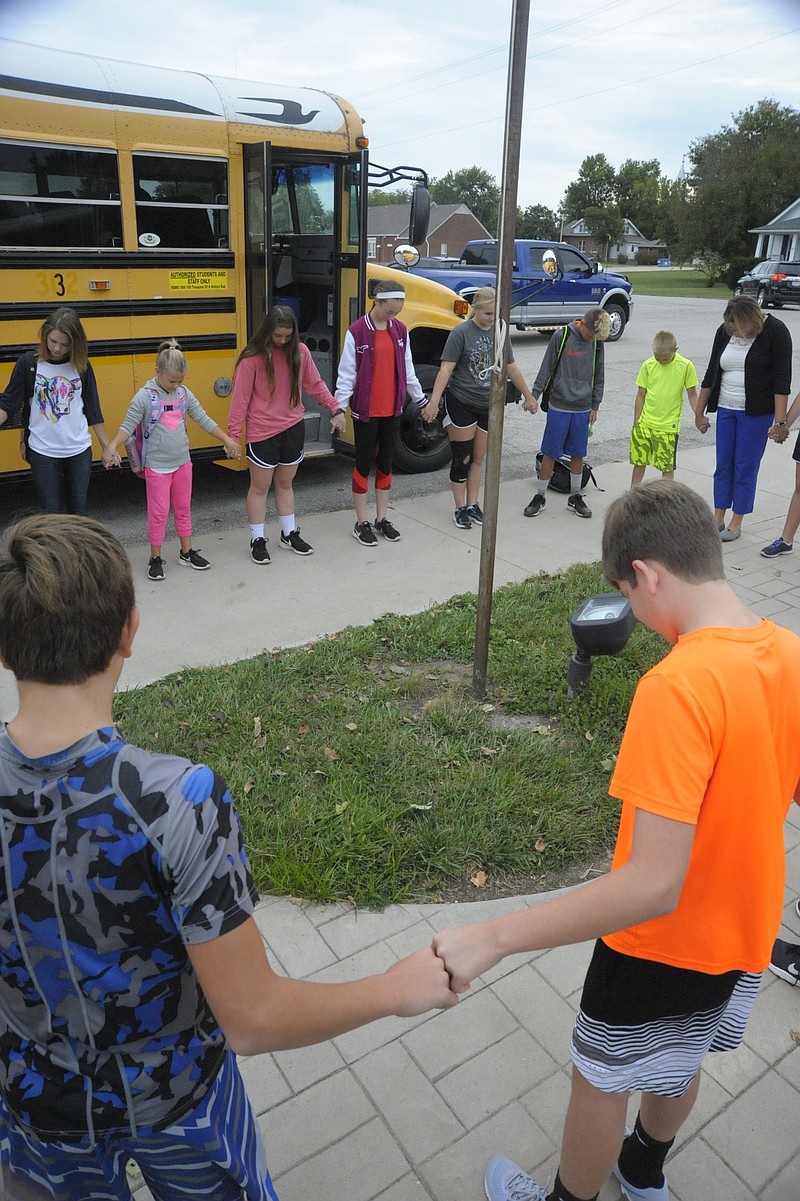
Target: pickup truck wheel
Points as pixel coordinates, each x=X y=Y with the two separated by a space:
x=421 y=447
x=618 y=321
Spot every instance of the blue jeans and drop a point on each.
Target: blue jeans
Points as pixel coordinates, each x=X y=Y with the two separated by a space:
x=741 y=441
x=61 y=480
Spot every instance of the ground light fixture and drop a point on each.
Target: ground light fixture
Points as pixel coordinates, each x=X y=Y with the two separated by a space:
x=601 y=625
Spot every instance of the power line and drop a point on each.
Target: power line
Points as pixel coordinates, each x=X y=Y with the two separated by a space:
x=599 y=91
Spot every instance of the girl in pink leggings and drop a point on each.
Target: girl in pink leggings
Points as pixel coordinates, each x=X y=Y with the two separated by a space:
x=162 y=407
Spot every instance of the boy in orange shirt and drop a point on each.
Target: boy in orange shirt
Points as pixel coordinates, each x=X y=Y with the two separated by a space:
x=686 y=918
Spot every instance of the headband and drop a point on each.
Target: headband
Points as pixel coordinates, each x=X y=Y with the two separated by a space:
x=389 y=296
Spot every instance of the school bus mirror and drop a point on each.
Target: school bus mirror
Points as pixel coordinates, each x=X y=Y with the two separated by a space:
x=419 y=216
x=406 y=256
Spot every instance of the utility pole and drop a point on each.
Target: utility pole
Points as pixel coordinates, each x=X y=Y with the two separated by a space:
x=497 y=393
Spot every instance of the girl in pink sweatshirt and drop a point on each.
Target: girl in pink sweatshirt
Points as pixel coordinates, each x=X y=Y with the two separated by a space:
x=271 y=373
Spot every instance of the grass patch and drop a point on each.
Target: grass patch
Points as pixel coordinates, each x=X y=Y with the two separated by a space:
x=363 y=770
x=665 y=282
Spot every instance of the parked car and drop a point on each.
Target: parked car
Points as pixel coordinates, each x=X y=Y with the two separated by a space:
x=774 y=282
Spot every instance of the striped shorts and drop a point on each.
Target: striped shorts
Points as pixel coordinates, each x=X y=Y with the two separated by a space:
x=670 y=1031
x=215 y=1153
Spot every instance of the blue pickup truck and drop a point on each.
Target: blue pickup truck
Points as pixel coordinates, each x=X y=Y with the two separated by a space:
x=539 y=300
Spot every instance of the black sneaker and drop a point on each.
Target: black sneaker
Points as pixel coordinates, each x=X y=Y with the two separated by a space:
x=193 y=558
x=386 y=528
x=778 y=547
x=579 y=505
x=475 y=514
x=258 y=551
x=156 y=568
x=461 y=518
x=538 y=502
x=364 y=533
x=785 y=961
x=294 y=542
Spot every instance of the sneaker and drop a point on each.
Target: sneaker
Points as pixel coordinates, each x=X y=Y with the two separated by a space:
x=579 y=505
x=294 y=542
x=364 y=533
x=386 y=528
x=505 y=1181
x=797 y=906
x=778 y=547
x=155 y=568
x=475 y=514
x=193 y=558
x=258 y=551
x=785 y=961
x=461 y=518
x=538 y=502
x=641 y=1194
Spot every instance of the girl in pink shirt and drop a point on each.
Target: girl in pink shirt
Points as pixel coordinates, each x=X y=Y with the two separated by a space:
x=271 y=373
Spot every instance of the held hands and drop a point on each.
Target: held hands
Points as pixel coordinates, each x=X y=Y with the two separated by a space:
x=466 y=952
x=778 y=433
x=429 y=412
x=233 y=449
x=530 y=405
x=338 y=422
x=422 y=983
x=702 y=423
x=111 y=458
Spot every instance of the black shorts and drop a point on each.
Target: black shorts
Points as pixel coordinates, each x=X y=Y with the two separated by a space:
x=796 y=451
x=284 y=450
x=462 y=416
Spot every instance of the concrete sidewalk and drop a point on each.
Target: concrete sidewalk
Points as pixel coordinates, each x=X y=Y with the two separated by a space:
x=411 y=1110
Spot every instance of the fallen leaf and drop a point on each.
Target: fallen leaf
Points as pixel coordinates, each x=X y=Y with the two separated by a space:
x=589 y=736
x=480 y=879
x=350 y=725
x=330 y=753
x=341 y=806
x=795 y=1036
x=487 y=708
x=278 y=774
x=256 y=726
x=302 y=730
x=539 y=845
x=430 y=806
x=260 y=742
x=249 y=786
x=218 y=715
x=488 y=750
x=607 y=764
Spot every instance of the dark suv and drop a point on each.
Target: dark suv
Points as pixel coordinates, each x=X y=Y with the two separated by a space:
x=774 y=282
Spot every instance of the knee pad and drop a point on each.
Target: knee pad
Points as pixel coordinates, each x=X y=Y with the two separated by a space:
x=462 y=457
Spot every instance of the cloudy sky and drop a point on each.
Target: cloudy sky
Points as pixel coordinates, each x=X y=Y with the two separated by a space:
x=631 y=78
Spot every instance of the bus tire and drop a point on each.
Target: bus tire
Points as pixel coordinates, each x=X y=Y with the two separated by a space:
x=421 y=447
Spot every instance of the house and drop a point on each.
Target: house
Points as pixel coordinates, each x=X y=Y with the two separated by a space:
x=634 y=245
x=450 y=227
x=780 y=237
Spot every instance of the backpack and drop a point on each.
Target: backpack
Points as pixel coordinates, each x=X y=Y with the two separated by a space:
x=136 y=445
x=544 y=400
x=560 y=480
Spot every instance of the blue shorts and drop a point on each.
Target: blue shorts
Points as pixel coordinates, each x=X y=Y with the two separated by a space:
x=215 y=1152
x=565 y=434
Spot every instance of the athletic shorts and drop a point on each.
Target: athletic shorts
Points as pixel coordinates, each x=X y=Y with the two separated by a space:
x=284 y=450
x=565 y=434
x=796 y=451
x=215 y=1153
x=648 y=1026
x=461 y=416
x=653 y=448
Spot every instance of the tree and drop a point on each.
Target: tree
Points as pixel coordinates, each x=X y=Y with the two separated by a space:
x=537 y=221
x=743 y=176
x=604 y=224
x=382 y=196
x=638 y=193
x=595 y=187
x=474 y=187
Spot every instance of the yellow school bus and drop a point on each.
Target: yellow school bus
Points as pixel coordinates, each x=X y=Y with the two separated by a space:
x=165 y=204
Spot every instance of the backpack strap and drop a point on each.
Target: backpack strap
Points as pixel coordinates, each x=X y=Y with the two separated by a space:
x=549 y=383
x=155 y=413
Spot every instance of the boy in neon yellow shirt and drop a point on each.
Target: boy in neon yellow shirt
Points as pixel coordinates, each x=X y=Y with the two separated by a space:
x=661 y=382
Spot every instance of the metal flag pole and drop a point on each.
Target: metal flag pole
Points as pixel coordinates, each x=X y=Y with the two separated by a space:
x=497 y=393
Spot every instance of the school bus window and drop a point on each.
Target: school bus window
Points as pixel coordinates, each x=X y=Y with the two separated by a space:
x=58 y=196
x=181 y=202
x=302 y=199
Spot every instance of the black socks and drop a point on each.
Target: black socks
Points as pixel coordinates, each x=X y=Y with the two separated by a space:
x=641 y=1159
x=560 y=1193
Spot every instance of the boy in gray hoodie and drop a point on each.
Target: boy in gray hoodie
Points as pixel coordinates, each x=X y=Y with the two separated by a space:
x=571 y=378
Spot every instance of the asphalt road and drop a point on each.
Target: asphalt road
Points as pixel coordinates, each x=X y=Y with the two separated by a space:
x=323 y=485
